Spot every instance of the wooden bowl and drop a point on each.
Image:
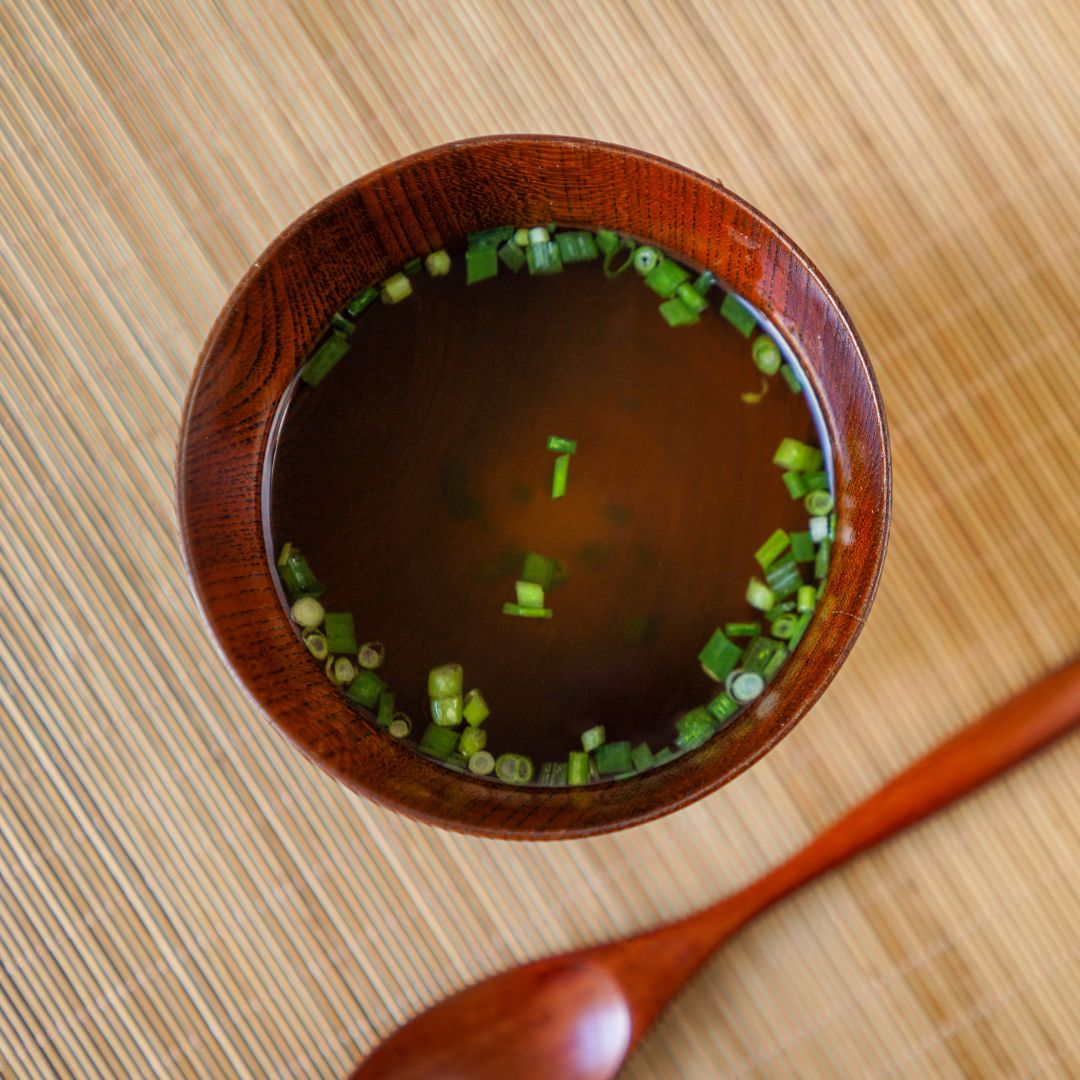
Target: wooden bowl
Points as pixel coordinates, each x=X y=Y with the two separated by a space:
x=367 y=230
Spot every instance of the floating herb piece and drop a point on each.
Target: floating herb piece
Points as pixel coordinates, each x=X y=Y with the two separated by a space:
x=395 y=289
x=592 y=738
x=738 y=314
x=481 y=263
x=340 y=632
x=719 y=656
x=766 y=355
x=366 y=689
x=447 y=711
x=613 y=758
x=513 y=768
x=576 y=246
x=438 y=741
x=316 y=644
x=560 y=476
x=371 y=654
x=481 y=763
x=538 y=569
x=307 y=612
x=795 y=455
x=475 y=709
x=529 y=594
x=386 y=708
x=471 y=741
x=562 y=445
x=527 y=613
x=791 y=378
x=577 y=768
x=361 y=302
x=438 y=263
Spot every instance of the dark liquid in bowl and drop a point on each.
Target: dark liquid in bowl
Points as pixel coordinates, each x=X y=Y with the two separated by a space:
x=416 y=476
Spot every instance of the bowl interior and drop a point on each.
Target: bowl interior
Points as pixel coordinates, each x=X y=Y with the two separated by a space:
x=359 y=235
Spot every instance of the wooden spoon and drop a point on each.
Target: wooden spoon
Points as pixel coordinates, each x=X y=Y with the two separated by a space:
x=578 y=1015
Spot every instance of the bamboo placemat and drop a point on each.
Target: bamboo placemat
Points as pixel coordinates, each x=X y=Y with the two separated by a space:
x=182 y=893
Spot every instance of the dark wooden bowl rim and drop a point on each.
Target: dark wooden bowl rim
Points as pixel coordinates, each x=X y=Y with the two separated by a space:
x=360 y=234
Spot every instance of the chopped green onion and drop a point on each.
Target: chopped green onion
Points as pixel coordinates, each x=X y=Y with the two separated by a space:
x=447 y=711
x=577 y=768
x=747 y=686
x=817 y=481
x=798 y=456
x=439 y=742
x=819 y=529
x=742 y=629
x=800 y=628
x=782 y=608
x=521 y=237
x=296 y=575
x=796 y=484
x=832 y=525
x=719 y=656
x=791 y=378
x=340 y=669
x=340 y=632
x=704 y=282
x=783 y=626
x=646 y=259
x=339 y=322
x=736 y=312
x=512 y=256
x=400 y=726
x=544 y=259
x=665 y=277
x=642 y=757
x=576 y=246
x=325 y=358
x=752 y=397
x=691 y=298
x=693 y=728
x=560 y=475
x=529 y=594
x=771 y=550
x=527 y=613
x=456 y=761
x=446 y=680
x=553 y=774
x=818 y=503
x=491 y=237
x=562 y=445
x=395 y=288
x=538 y=569
x=371 y=654
x=593 y=738
x=361 y=301
x=609 y=258
x=807 y=598
x=759 y=595
x=412 y=266
x=766 y=355
x=481 y=763
x=775 y=663
x=607 y=241
x=676 y=313
x=802 y=547
x=472 y=740
x=539 y=235
x=438 y=263
x=722 y=707
x=475 y=710
x=784 y=576
x=481 y=263
x=824 y=555
x=316 y=644
x=307 y=612
x=663 y=756
x=366 y=689
x=759 y=654
x=513 y=768
x=614 y=758
x=386 y=708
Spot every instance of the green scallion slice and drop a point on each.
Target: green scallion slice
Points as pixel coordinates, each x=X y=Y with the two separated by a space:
x=400 y=726
x=576 y=246
x=395 y=288
x=562 y=445
x=663 y=756
x=339 y=322
x=307 y=612
x=817 y=481
x=758 y=655
x=340 y=670
x=529 y=594
x=832 y=525
x=325 y=358
x=818 y=503
x=447 y=711
x=560 y=475
x=800 y=628
x=412 y=266
x=553 y=774
x=791 y=378
x=753 y=397
x=481 y=263
x=691 y=298
x=446 y=680
x=491 y=237
x=577 y=768
x=316 y=644
x=593 y=738
x=824 y=555
x=665 y=277
x=797 y=456
x=512 y=256
x=802 y=547
x=719 y=656
x=544 y=258
x=781 y=608
x=608 y=242
x=438 y=263
x=538 y=569
x=738 y=314
x=613 y=758
x=676 y=313
x=439 y=742
x=482 y=763
x=642 y=757
x=693 y=728
x=471 y=741
x=360 y=302
x=722 y=708
x=527 y=613
x=513 y=768
x=538 y=234
x=759 y=595
x=784 y=576
x=340 y=632
x=366 y=689
x=819 y=529
x=521 y=237
x=371 y=654
x=296 y=575
x=783 y=626
x=766 y=355
x=646 y=259
x=747 y=686
x=742 y=629
x=704 y=282
x=772 y=549
x=475 y=709
x=807 y=598
x=385 y=711
x=795 y=483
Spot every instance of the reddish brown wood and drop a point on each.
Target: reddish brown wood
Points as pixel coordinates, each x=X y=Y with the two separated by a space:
x=546 y=1018
x=358 y=235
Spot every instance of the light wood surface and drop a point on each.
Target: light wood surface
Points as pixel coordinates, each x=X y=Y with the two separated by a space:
x=182 y=893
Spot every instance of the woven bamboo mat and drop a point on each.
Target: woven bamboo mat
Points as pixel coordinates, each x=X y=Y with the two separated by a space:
x=181 y=893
